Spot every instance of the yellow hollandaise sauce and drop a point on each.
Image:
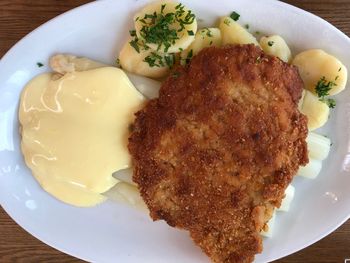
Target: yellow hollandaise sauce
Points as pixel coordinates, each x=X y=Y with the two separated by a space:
x=74 y=131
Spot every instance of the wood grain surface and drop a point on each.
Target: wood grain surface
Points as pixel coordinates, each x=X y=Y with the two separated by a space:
x=19 y=17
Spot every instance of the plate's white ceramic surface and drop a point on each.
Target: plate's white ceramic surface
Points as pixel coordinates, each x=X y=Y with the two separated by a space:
x=114 y=233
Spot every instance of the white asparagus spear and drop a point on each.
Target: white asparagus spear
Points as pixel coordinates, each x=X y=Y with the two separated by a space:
x=287 y=200
x=270 y=225
x=318 y=146
x=311 y=170
x=127 y=194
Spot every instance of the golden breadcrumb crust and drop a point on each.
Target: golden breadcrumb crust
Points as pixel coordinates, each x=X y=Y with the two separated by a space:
x=216 y=151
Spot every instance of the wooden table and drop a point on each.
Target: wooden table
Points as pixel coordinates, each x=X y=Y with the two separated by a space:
x=19 y=17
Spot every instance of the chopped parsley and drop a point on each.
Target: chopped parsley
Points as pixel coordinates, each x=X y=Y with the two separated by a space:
x=39 y=64
x=159 y=29
x=331 y=103
x=190 y=33
x=247 y=26
x=323 y=87
x=188 y=19
x=322 y=90
x=235 y=16
x=156 y=60
x=189 y=56
x=270 y=43
x=339 y=69
x=117 y=63
x=135 y=45
x=257 y=32
x=162 y=8
x=209 y=33
x=132 y=33
x=206 y=32
x=169 y=60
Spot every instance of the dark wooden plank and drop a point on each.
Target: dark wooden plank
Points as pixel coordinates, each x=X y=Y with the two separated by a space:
x=19 y=17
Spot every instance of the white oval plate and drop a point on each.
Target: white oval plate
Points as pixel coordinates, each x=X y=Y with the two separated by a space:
x=114 y=233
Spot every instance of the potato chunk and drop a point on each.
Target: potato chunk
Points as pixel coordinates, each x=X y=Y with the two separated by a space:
x=206 y=37
x=234 y=33
x=314 y=64
x=169 y=14
x=134 y=62
x=316 y=111
x=276 y=46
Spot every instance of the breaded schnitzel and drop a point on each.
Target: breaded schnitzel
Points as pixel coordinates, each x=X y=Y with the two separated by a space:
x=216 y=151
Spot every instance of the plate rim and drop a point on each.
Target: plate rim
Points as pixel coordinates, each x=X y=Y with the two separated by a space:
x=283 y=5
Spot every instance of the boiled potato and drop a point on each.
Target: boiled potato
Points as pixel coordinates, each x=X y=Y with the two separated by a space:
x=276 y=46
x=234 y=33
x=204 y=38
x=317 y=112
x=185 y=35
x=315 y=64
x=133 y=61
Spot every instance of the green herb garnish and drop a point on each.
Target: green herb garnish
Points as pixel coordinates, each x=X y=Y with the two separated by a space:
x=162 y=8
x=158 y=28
x=117 y=63
x=135 y=45
x=206 y=32
x=209 y=33
x=170 y=60
x=156 y=60
x=323 y=87
x=190 y=33
x=189 y=18
x=331 y=103
x=132 y=33
x=322 y=90
x=270 y=43
x=247 y=26
x=189 y=56
x=235 y=16
x=39 y=64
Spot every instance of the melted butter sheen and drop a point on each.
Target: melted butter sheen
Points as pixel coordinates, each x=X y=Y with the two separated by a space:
x=75 y=129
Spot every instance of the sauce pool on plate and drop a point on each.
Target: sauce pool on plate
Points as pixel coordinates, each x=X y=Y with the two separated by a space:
x=74 y=131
